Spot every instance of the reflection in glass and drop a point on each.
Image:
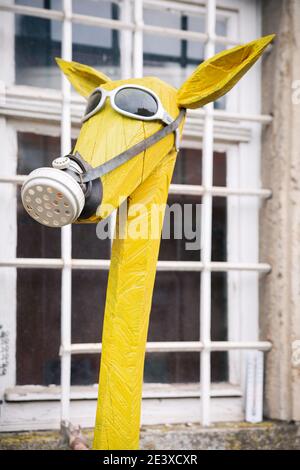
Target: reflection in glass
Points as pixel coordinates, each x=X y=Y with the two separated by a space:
x=171 y=59
x=39 y=290
x=36 y=47
x=35 y=240
x=53 y=4
x=38 y=42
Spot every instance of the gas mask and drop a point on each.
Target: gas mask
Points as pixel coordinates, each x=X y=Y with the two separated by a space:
x=72 y=189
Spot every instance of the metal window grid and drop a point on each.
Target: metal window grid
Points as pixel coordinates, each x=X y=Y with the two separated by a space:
x=136 y=28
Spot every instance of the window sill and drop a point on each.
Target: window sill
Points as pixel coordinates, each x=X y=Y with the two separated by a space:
x=21 y=102
x=27 y=393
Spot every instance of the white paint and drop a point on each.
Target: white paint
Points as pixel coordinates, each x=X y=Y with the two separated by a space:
x=249 y=176
x=8 y=277
x=46 y=415
x=126 y=41
x=185 y=189
x=8 y=206
x=66 y=232
x=195 y=266
x=138 y=39
x=206 y=231
x=25 y=393
x=178 y=346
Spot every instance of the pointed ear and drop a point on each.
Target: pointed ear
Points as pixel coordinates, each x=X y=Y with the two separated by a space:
x=216 y=76
x=83 y=78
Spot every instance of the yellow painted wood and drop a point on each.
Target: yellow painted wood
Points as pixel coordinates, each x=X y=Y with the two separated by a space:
x=128 y=304
x=83 y=77
x=143 y=180
x=216 y=76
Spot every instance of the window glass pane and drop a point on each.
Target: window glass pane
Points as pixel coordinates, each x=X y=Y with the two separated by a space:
x=188 y=167
x=171 y=59
x=38 y=296
x=37 y=43
x=219 y=325
x=183 y=367
x=167 y=58
x=88 y=302
x=195 y=49
x=95 y=46
x=85 y=369
x=181 y=234
x=38 y=290
x=172 y=367
x=98 y=47
x=35 y=240
x=89 y=287
x=36 y=150
x=181 y=240
x=47 y=4
x=38 y=326
x=175 y=317
x=101 y=8
x=168 y=46
x=86 y=245
x=219 y=229
x=221 y=26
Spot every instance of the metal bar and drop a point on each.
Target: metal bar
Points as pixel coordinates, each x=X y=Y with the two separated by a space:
x=187 y=35
x=206 y=231
x=230 y=116
x=182 y=189
x=33 y=11
x=230 y=345
x=102 y=22
x=178 y=346
x=66 y=232
x=216 y=266
x=57 y=15
x=102 y=264
x=179 y=6
x=108 y=23
x=138 y=39
x=176 y=33
x=217 y=191
x=18 y=179
x=126 y=41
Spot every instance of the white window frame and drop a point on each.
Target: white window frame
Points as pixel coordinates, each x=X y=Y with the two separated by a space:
x=236 y=131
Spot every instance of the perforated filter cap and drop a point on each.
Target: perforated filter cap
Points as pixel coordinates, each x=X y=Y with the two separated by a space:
x=52 y=197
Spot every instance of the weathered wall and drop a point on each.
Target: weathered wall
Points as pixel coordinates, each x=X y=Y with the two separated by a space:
x=280 y=216
x=238 y=436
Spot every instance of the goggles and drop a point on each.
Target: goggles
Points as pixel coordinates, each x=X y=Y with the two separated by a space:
x=71 y=189
x=133 y=101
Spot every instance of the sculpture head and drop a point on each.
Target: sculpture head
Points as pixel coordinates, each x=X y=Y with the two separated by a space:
x=111 y=128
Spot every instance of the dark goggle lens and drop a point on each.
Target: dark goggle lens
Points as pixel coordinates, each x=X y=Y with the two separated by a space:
x=138 y=102
x=93 y=101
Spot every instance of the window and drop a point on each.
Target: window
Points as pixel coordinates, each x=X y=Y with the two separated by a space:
x=199 y=338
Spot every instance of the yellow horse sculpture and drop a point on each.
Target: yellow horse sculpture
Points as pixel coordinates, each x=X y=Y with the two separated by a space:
x=143 y=180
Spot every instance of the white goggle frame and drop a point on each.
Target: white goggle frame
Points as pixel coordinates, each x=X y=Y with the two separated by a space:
x=161 y=114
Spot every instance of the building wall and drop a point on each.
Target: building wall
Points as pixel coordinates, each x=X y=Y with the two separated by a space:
x=280 y=216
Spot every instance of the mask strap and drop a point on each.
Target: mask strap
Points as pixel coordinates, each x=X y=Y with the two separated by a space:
x=124 y=157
